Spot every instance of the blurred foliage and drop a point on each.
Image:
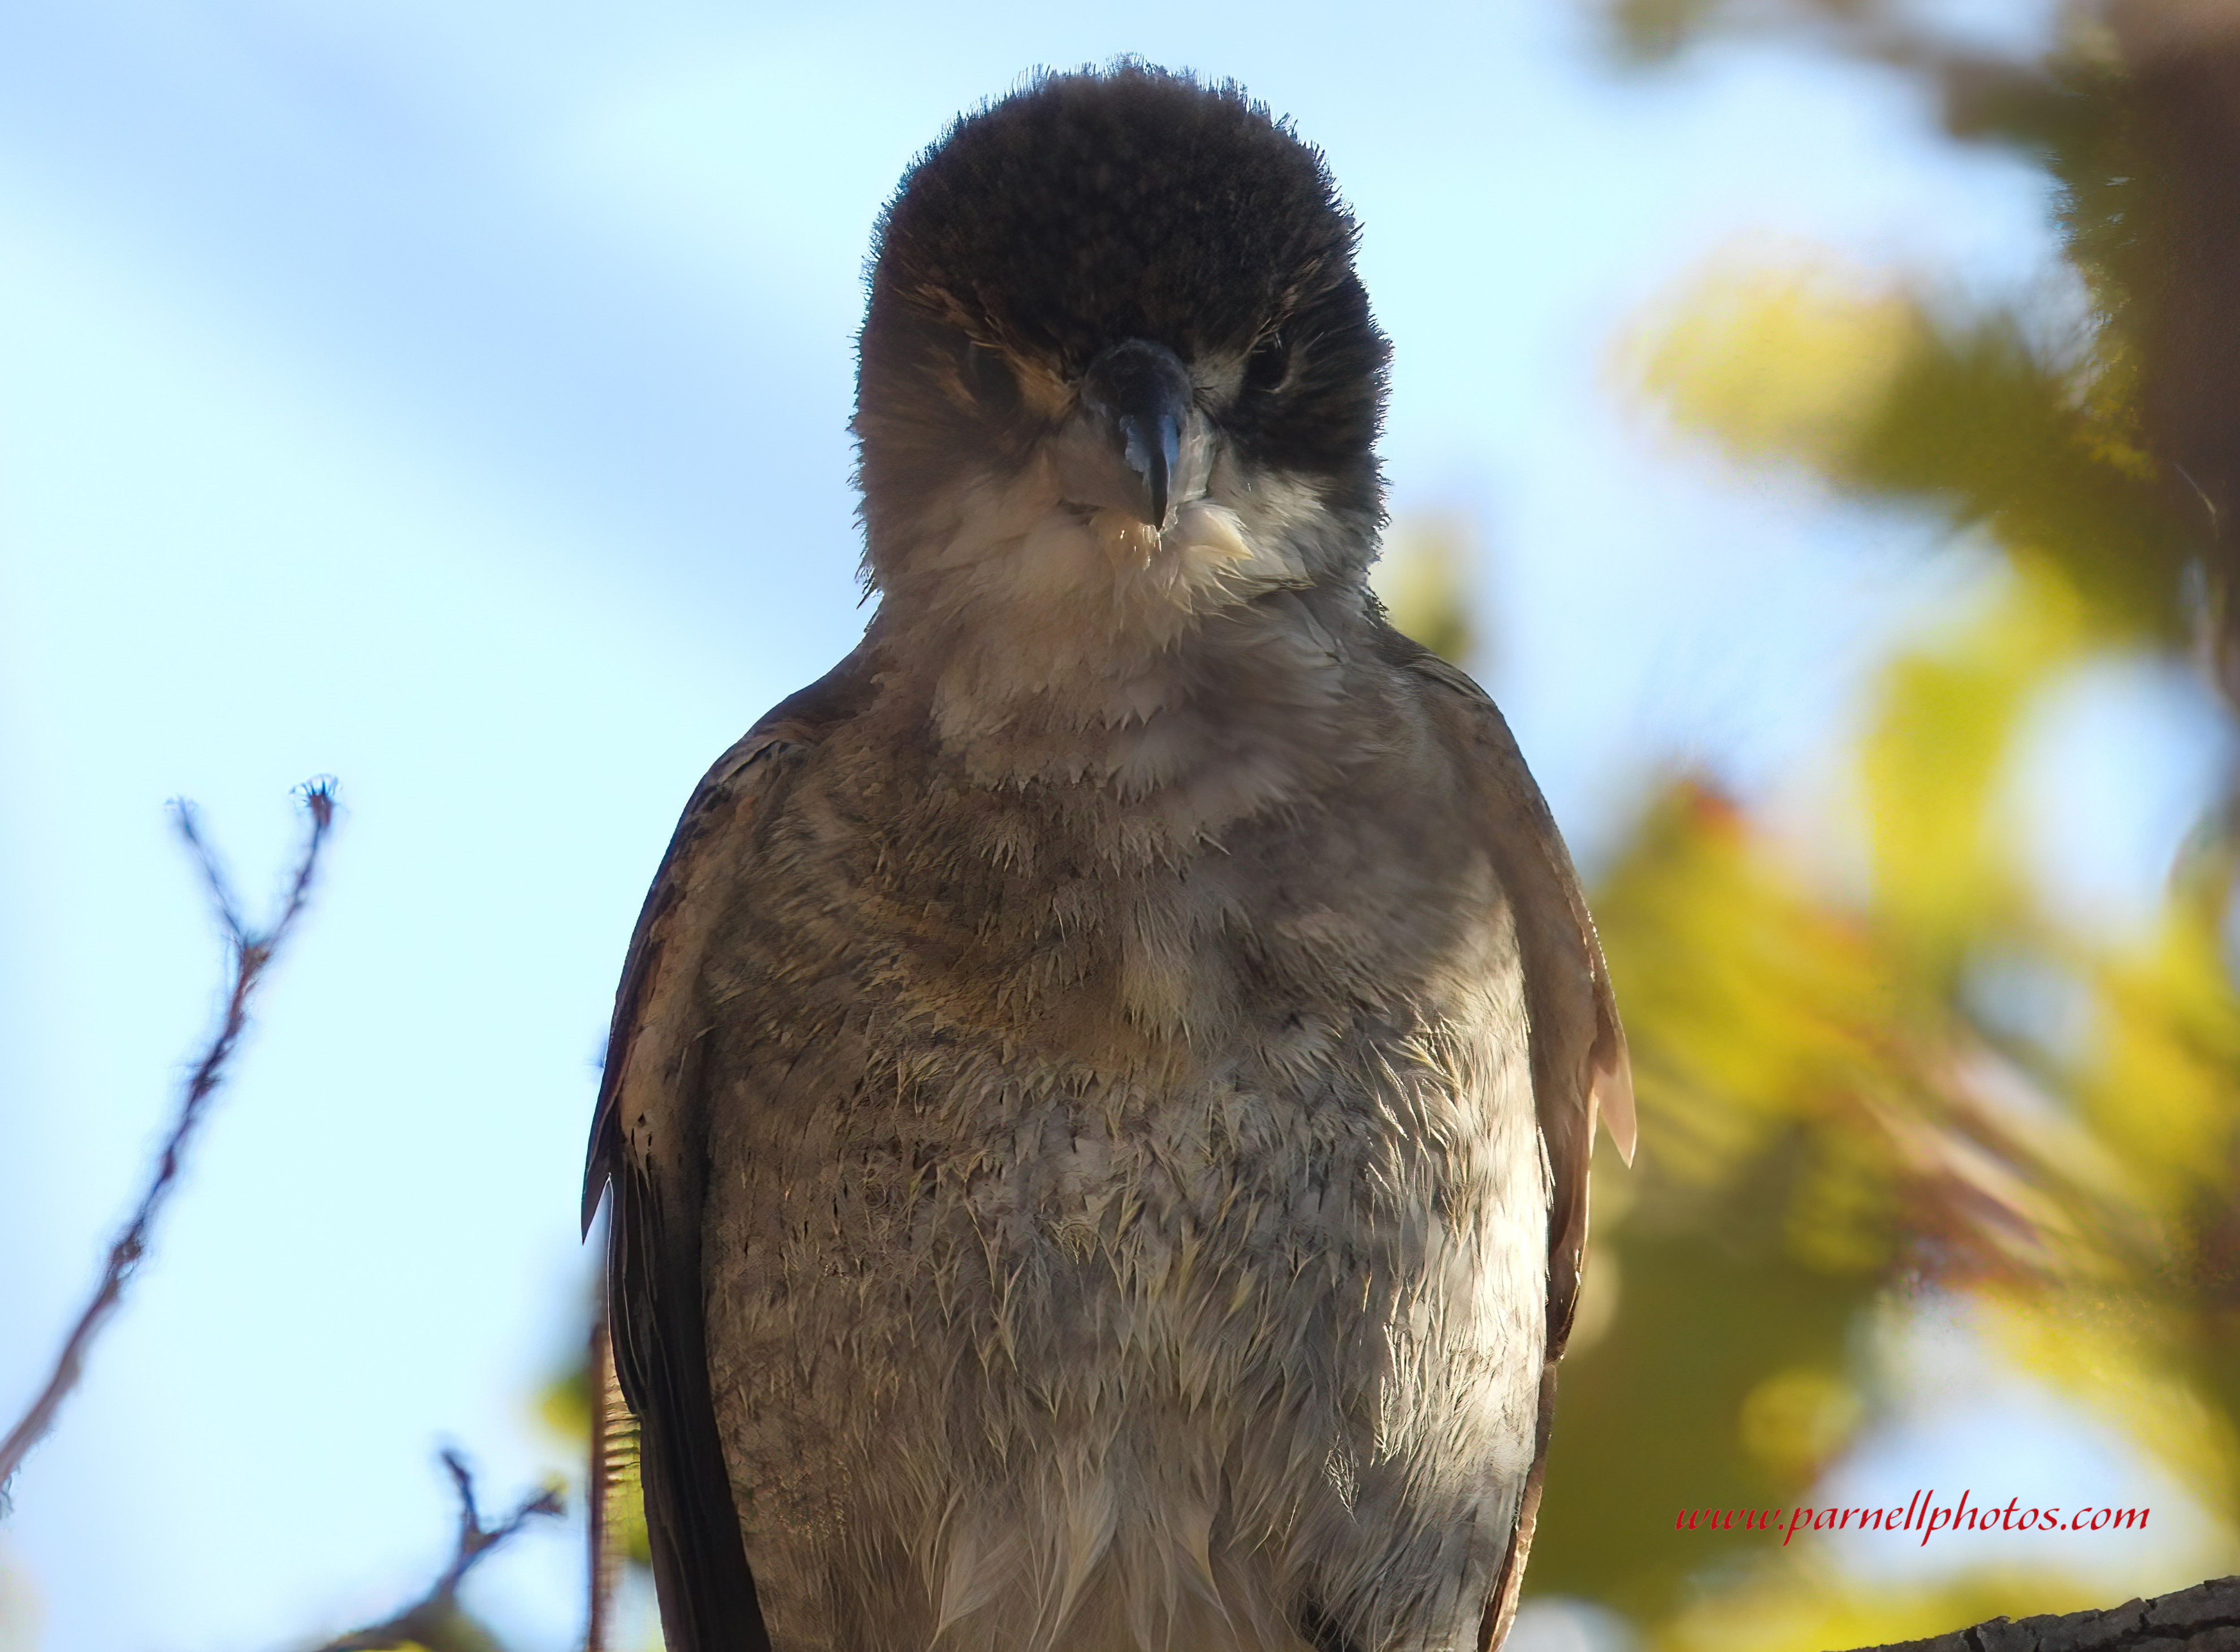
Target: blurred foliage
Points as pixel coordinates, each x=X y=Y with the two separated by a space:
x=1854 y=1093
x=1868 y=1086
x=1422 y=578
x=19 y=1610
x=581 y=1396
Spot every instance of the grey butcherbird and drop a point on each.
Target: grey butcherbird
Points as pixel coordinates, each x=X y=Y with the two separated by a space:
x=1100 y=1094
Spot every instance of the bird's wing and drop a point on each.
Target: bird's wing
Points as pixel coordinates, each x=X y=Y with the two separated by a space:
x=648 y=1146
x=1580 y=1070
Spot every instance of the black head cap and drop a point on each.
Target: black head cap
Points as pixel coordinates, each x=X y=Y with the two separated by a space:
x=1094 y=208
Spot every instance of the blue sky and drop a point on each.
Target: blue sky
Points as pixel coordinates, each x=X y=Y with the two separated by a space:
x=451 y=397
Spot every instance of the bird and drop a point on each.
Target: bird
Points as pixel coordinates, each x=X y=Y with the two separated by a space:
x=1099 y=1098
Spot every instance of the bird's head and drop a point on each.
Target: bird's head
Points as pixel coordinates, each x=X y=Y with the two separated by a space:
x=1115 y=349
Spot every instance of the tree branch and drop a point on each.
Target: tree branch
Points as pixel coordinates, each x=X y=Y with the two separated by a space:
x=253 y=952
x=435 y=1620
x=2205 y=1618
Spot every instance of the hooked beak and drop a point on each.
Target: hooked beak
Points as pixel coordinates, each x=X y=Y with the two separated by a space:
x=1140 y=392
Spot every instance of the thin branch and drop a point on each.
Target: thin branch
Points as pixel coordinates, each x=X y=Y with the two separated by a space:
x=436 y=1619
x=253 y=952
x=213 y=871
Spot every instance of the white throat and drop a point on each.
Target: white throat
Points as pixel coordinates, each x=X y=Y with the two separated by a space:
x=1064 y=634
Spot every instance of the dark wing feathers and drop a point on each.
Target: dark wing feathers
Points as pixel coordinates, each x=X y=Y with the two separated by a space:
x=1579 y=1066
x=699 y=1558
x=647 y=1147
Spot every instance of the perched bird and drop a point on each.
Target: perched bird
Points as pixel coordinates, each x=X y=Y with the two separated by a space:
x=1099 y=1098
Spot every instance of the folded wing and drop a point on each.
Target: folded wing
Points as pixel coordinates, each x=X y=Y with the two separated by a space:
x=649 y=1151
x=1579 y=1066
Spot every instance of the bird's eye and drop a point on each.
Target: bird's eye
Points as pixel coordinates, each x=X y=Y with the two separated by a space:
x=990 y=380
x=1269 y=364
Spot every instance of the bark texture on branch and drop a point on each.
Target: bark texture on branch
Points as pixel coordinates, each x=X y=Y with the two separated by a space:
x=2205 y=1618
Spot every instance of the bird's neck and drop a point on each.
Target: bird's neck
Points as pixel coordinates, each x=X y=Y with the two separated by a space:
x=1043 y=644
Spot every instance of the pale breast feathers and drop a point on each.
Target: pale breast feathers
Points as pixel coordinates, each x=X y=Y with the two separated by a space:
x=1580 y=1068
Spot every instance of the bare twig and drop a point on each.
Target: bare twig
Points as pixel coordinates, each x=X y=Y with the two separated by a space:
x=253 y=952
x=435 y=1620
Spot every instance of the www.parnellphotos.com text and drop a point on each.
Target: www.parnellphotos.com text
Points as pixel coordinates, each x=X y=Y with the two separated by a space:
x=1922 y=1513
